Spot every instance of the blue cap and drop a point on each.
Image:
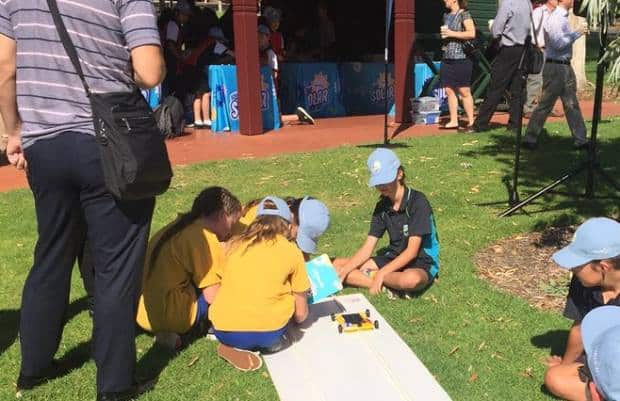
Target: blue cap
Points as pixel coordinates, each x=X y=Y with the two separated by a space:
x=217 y=33
x=600 y=331
x=313 y=221
x=272 y=14
x=383 y=165
x=183 y=7
x=596 y=239
x=262 y=28
x=282 y=210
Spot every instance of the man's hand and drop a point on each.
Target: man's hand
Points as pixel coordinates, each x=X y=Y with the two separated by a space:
x=377 y=283
x=15 y=153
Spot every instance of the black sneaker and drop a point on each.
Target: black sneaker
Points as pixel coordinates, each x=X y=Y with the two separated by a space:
x=582 y=146
x=30 y=382
x=131 y=394
x=480 y=128
x=304 y=116
x=529 y=145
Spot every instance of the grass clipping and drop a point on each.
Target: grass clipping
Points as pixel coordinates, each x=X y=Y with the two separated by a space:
x=522 y=266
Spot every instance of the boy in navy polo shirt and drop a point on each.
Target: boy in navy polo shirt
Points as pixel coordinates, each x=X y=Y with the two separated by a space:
x=411 y=261
x=593 y=257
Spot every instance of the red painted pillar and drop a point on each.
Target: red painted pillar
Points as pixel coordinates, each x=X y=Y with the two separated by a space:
x=404 y=40
x=248 y=73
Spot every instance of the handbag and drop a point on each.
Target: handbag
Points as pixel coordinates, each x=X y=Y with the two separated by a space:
x=535 y=56
x=134 y=158
x=469 y=46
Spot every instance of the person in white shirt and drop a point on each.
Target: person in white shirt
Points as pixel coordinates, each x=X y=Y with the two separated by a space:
x=173 y=45
x=559 y=79
x=535 y=81
x=269 y=58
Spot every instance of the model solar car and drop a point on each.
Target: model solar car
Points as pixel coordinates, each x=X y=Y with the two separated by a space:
x=348 y=322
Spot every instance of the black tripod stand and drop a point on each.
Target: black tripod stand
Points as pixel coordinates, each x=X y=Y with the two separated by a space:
x=590 y=165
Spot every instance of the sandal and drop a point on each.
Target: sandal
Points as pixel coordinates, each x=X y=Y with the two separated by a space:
x=243 y=360
x=445 y=126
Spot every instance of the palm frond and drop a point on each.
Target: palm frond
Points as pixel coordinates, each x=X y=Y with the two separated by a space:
x=612 y=56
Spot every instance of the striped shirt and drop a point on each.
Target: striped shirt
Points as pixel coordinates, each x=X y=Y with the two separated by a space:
x=512 y=22
x=558 y=36
x=50 y=96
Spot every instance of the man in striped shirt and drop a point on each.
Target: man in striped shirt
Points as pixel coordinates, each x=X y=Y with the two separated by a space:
x=50 y=126
x=558 y=79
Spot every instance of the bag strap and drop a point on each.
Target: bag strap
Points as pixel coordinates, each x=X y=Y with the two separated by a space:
x=534 y=27
x=67 y=43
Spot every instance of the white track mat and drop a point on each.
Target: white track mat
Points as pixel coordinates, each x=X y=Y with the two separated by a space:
x=324 y=365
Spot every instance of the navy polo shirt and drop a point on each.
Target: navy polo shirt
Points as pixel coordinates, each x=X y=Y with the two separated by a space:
x=582 y=300
x=413 y=218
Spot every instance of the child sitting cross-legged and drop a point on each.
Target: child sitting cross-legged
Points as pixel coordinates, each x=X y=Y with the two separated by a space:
x=411 y=261
x=172 y=304
x=260 y=289
x=593 y=257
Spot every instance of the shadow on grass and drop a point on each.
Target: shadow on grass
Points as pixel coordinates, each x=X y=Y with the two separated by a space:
x=9 y=322
x=555 y=340
x=391 y=145
x=554 y=157
x=155 y=360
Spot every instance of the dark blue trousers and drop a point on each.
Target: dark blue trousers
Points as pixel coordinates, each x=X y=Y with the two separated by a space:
x=66 y=179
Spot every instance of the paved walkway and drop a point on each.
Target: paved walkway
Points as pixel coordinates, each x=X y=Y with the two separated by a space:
x=327 y=133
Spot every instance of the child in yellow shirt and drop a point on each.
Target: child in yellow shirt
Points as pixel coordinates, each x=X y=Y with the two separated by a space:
x=178 y=260
x=261 y=286
x=309 y=220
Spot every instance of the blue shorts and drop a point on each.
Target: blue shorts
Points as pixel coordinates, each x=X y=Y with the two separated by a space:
x=428 y=267
x=203 y=308
x=250 y=340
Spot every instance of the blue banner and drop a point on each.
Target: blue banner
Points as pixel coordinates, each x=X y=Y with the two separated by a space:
x=314 y=86
x=152 y=96
x=225 y=99
x=363 y=87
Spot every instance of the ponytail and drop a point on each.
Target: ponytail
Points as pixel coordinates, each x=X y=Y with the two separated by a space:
x=263 y=228
x=211 y=200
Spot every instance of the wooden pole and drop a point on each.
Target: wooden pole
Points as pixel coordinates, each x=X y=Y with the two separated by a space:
x=248 y=69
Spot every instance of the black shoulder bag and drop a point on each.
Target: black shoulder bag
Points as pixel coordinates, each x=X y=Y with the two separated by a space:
x=133 y=154
x=470 y=45
x=535 y=57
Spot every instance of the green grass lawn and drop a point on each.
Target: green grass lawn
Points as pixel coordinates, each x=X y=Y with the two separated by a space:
x=481 y=344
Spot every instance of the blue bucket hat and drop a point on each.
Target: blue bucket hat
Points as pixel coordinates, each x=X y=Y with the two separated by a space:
x=383 y=165
x=596 y=239
x=313 y=221
x=600 y=331
x=264 y=29
x=282 y=210
x=183 y=7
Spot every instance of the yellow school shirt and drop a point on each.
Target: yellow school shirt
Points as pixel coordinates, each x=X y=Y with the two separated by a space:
x=245 y=221
x=257 y=286
x=168 y=300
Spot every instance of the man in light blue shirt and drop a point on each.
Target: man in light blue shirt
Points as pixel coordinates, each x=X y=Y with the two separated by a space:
x=558 y=78
x=512 y=28
x=535 y=81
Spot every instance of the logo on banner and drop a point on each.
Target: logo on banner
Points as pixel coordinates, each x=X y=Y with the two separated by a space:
x=378 y=91
x=264 y=94
x=317 y=93
x=234 y=105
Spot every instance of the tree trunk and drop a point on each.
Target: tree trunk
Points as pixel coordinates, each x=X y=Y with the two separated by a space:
x=579 y=52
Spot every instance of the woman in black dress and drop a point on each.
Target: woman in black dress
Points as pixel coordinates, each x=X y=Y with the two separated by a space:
x=456 y=67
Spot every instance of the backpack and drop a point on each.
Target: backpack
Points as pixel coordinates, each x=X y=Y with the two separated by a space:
x=170 y=117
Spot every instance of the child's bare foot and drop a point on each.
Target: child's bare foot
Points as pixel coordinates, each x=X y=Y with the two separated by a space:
x=241 y=359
